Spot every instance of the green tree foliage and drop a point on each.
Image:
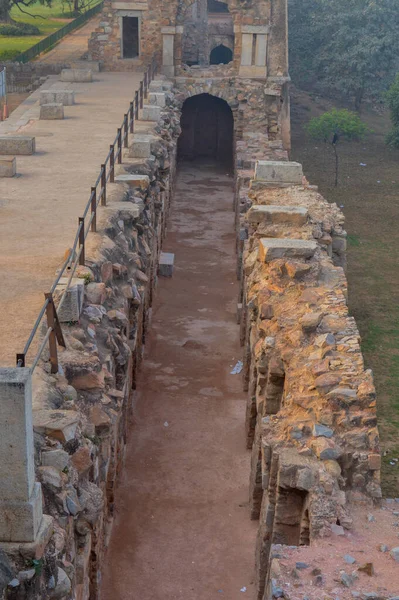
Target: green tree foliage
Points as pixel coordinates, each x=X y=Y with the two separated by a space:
x=392 y=98
x=22 y=5
x=345 y=46
x=334 y=126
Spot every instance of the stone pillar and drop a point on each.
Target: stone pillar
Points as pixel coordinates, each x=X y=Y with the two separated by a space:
x=168 y=51
x=254 y=64
x=179 y=46
x=20 y=496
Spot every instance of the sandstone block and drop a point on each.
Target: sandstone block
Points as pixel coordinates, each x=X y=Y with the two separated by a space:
x=59 y=459
x=134 y=180
x=52 y=111
x=272 y=248
x=57 y=424
x=157 y=99
x=17 y=144
x=150 y=113
x=77 y=75
x=65 y=97
x=292 y=215
x=8 y=166
x=166 y=262
x=279 y=172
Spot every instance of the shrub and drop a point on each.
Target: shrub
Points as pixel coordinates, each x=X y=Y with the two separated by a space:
x=18 y=29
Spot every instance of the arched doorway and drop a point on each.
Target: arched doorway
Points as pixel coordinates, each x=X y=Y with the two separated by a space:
x=221 y=55
x=207 y=130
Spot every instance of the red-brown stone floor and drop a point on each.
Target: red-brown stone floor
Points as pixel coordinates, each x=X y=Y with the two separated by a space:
x=182 y=529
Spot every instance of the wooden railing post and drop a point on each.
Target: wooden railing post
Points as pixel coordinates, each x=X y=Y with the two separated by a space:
x=126 y=128
x=141 y=94
x=82 y=240
x=119 y=146
x=112 y=164
x=52 y=341
x=136 y=101
x=131 y=117
x=94 y=208
x=103 y=185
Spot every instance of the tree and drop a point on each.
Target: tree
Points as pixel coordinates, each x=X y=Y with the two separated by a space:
x=334 y=126
x=392 y=98
x=347 y=46
x=22 y=5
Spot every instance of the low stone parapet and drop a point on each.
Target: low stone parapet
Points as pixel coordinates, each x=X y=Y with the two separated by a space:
x=17 y=144
x=52 y=111
x=77 y=75
x=8 y=166
x=65 y=97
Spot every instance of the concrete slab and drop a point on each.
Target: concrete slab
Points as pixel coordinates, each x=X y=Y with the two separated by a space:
x=272 y=248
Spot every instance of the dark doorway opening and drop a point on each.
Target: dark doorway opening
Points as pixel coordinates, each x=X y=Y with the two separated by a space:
x=217 y=7
x=221 y=55
x=130 y=37
x=207 y=130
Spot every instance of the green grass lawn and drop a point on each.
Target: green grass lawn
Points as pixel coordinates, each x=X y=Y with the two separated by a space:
x=47 y=19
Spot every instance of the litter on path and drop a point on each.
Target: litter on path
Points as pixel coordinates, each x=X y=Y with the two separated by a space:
x=237 y=369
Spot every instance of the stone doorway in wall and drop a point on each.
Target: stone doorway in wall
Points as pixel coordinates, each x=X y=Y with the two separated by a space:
x=207 y=131
x=130 y=37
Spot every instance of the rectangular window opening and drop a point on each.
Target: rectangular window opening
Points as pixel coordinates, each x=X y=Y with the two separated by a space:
x=130 y=37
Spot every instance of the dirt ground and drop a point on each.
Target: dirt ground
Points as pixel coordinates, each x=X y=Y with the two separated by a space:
x=369 y=198
x=188 y=534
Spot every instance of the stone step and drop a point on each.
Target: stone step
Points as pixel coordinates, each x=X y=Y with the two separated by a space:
x=77 y=75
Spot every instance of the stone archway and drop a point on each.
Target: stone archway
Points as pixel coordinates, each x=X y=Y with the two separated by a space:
x=207 y=129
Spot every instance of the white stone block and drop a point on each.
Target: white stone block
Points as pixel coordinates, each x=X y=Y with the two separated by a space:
x=291 y=215
x=157 y=99
x=166 y=263
x=51 y=112
x=73 y=304
x=65 y=97
x=272 y=248
x=17 y=144
x=8 y=166
x=141 y=146
x=77 y=75
x=150 y=113
x=279 y=172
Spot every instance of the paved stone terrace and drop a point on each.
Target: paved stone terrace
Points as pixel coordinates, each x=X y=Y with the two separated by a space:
x=39 y=208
